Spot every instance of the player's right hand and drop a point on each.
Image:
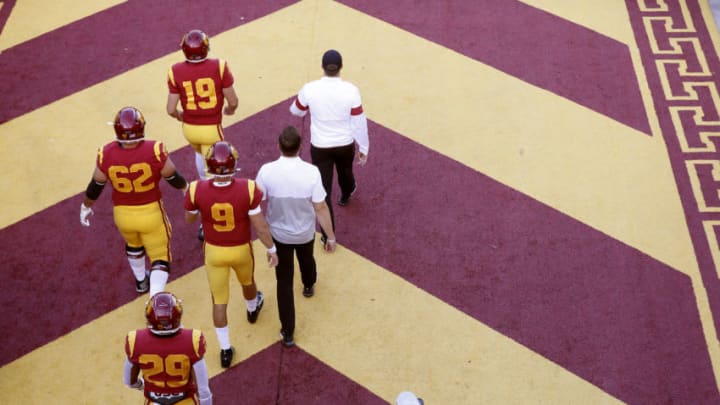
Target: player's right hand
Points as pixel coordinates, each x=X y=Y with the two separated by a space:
x=330 y=245
x=85 y=213
x=272 y=259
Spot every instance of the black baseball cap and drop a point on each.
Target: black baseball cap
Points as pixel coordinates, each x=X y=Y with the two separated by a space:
x=332 y=60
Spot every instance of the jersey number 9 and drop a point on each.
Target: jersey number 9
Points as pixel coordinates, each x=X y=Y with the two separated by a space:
x=223 y=216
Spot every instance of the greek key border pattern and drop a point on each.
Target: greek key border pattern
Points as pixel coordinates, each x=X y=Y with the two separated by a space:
x=681 y=57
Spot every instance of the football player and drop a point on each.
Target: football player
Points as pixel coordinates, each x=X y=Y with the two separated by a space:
x=201 y=85
x=229 y=207
x=134 y=166
x=169 y=356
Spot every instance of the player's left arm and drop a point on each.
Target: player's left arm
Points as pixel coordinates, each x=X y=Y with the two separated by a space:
x=203 y=382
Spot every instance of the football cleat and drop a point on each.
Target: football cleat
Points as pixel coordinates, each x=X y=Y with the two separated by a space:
x=142 y=286
x=226 y=356
x=253 y=316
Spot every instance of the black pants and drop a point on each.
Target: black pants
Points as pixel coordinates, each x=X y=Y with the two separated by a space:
x=327 y=161
x=284 y=273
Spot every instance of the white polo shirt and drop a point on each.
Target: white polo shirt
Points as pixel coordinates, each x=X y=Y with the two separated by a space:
x=337 y=115
x=291 y=186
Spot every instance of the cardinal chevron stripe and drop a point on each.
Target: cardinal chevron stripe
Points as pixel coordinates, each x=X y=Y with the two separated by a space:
x=538 y=221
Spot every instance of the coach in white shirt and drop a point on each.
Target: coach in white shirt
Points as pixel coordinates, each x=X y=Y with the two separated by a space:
x=337 y=122
x=296 y=200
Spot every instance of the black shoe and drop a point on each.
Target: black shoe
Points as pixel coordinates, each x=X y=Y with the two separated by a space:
x=253 y=316
x=226 y=357
x=345 y=199
x=309 y=291
x=201 y=234
x=143 y=286
x=287 y=339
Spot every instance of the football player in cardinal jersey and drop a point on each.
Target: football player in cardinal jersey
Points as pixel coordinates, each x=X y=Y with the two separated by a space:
x=134 y=166
x=201 y=85
x=229 y=207
x=170 y=357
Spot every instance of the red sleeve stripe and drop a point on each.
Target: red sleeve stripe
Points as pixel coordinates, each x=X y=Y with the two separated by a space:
x=356 y=111
x=300 y=106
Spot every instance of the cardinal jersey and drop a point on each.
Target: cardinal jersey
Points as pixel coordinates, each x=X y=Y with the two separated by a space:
x=166 y=361
x=200 y=88
x=133 y=172
x=224 y=209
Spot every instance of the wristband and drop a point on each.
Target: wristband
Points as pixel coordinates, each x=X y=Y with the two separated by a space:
x=272 y=250
x=177 y=180
x=331 y=241
x=93 y=190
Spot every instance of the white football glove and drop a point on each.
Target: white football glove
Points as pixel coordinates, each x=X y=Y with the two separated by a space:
x=85 y=213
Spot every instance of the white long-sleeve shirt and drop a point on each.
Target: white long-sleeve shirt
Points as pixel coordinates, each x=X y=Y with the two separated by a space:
x=337 y=116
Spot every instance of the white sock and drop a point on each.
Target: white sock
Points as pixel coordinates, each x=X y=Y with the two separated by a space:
x=223 y=337
x=251 y=304
x=137 y=264
x=158 y=279
x=200 y=165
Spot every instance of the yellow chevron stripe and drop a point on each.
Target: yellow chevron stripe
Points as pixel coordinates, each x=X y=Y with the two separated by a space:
x=32 y=18
x=398 y=337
